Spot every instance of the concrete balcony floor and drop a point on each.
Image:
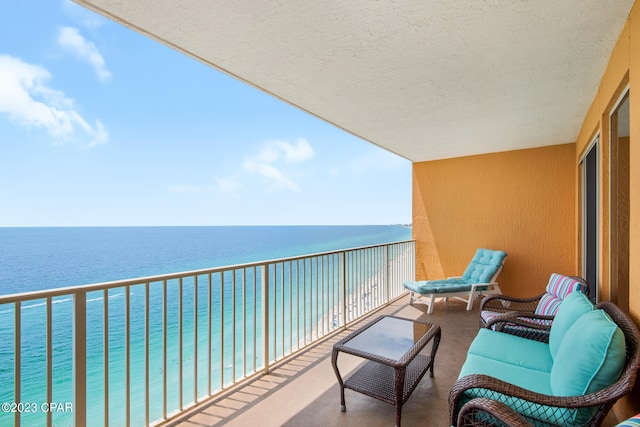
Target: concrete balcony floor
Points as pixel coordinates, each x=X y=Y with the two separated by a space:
x=303 y=391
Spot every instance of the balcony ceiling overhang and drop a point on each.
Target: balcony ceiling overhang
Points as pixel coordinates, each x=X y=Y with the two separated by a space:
x=423 y=79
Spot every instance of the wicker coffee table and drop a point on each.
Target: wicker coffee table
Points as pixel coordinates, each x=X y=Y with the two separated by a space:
x=396 y=362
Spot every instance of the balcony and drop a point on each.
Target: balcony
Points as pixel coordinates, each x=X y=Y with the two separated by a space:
x=279 y=318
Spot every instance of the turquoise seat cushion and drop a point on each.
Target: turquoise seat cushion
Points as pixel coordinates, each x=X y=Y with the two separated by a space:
x=487 y=358
x=483 y=266
x=521 y=352
x=591 y=356
x=531 y=379
x=572 y=308
x=438 y=286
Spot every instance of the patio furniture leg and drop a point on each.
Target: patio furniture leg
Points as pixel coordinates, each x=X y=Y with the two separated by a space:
x=434 y=349
x=432 y=298
x=399 y=390
x=334 y=363
x=410 y=298
x=472 y=297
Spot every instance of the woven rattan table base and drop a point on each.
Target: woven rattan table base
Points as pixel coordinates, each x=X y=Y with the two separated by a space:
x=388 y=379
x=377 y=380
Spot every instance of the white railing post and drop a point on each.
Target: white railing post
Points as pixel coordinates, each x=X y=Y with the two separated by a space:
x=387 y=276
x=264 y=269
x=17 y=352
x=343 y=288
x=413 y=259
x=80 y=358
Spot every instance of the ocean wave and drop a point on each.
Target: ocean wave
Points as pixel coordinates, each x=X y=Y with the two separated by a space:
x=110 y=297
x=57 y=301
x=36 y=305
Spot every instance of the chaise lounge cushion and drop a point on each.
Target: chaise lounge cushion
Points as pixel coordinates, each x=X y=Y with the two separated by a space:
x=590 y=357
x=481 y=269
x=457 y=284
x=483 y=266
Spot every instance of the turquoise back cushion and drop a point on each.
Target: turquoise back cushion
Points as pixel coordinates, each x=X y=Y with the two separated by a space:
x=590 y=357
x=483 y=266
x=571 y=309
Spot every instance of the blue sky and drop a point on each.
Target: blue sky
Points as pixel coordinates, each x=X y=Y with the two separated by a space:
x=102 y=126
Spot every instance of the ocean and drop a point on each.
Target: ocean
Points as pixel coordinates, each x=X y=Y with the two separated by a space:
x=34 y=259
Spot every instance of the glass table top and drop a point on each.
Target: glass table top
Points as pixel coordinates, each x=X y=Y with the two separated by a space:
x=390 y=337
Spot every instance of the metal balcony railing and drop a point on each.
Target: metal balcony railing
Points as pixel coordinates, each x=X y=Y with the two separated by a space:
x=141 y=351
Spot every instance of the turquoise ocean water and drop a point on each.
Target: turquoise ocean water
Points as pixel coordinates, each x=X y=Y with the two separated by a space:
x=44 y=258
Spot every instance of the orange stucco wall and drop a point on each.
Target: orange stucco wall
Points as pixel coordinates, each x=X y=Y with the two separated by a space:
x=522 y=202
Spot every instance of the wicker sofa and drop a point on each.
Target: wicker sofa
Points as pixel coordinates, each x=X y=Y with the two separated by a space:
x=590 y=361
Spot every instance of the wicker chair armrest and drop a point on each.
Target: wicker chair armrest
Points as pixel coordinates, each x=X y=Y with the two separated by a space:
x=502 y=303
x=477 y=411
x=531 y=321
x=604 y=398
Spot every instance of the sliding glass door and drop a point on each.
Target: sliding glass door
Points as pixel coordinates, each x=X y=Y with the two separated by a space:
x=590 y=195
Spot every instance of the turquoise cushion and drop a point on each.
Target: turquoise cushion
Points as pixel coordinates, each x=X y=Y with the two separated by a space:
x=590 y=357
x=531 y=379
x=483 y=266
x=573 y=306
x=438 y=286
x=521 y=352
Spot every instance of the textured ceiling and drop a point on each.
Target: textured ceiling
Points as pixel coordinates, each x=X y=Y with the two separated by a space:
x=424 y=79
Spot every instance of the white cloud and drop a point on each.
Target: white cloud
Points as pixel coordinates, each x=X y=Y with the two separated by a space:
x=26 y=98
x=271 y=172
x=297 y=153
x=70 y=39
x=271 y=153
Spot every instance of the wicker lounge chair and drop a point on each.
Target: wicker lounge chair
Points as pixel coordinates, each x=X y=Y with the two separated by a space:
x=482 y=400
x=529 y=317
x=478 y=278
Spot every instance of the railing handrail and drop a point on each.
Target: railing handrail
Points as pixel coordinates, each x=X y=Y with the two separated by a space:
x=32 y=295
x=286 y=305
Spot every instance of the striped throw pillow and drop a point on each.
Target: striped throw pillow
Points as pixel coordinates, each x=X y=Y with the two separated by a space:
x=557 y=289
x=560 y=286
x=631 y=422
